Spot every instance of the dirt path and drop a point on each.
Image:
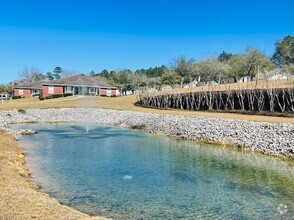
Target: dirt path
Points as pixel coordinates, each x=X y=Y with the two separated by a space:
x=19 y=196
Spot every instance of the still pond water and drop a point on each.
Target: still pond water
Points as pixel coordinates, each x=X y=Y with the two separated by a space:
x=122 y=173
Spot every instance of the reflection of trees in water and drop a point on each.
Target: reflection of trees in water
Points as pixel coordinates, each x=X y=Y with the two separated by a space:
x=243 y=169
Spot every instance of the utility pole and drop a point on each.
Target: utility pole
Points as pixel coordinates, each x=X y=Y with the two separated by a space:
x=12 y=89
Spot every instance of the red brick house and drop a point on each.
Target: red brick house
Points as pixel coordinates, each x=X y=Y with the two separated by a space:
x=78 y=85
x=28 y=89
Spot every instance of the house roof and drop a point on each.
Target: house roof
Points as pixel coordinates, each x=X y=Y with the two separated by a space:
x=276 y=72
x=79 y=80
x=29 y=85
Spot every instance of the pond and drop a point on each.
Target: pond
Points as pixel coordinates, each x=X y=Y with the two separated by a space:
x=122 y=173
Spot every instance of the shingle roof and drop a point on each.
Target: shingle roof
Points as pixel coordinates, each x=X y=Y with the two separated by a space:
x=79 y=80
x=278 y=72
x=30 y=85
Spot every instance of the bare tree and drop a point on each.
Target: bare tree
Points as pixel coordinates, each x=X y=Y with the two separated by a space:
x=280 y=98
x=139 y=79
x=67 y=73
x=250 y=63
x=256 y=58
x=259 y=96
x=271 y=96
x=31 y=75
x=184 y=67
x=290 y=99
x=25 y=74
x=212 y=69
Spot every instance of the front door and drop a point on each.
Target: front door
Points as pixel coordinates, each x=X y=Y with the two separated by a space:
x=76 y=90
x=81 y=90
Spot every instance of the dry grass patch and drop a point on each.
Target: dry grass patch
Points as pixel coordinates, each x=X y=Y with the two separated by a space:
x=19 y=197
x=127 y=103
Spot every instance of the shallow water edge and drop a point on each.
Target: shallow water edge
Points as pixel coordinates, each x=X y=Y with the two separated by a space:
x=20 y=196
x=252 y=168
x=266 y=138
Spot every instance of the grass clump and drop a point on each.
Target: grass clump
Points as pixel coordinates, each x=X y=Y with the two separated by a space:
x=22 y=111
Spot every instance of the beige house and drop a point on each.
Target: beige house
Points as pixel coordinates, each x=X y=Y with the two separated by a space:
x=275 y=75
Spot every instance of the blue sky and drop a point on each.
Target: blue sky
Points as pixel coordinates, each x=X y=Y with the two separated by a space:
x=93 y=35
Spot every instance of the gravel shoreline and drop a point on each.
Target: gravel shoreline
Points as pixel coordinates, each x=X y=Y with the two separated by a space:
x=267 y=138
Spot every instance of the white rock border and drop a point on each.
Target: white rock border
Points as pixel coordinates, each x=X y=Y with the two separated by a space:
x=267 y=138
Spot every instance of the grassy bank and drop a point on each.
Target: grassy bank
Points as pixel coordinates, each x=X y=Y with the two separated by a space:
x=19 y=196
x=127 y=103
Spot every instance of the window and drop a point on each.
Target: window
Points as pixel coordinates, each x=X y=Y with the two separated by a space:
x=92 y=90
x=35 y=91
x=51 y=89
x=68 y=89
x=20 y=92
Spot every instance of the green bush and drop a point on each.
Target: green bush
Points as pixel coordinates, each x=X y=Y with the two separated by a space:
x=49 y=97
x=21 y=111
x=67 y=94
x=90 y=94
x=16 y=97
x=41 y=98
x=56 y=96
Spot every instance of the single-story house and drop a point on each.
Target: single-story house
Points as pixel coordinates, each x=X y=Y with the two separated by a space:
x=28 y=89
x=275 y=75
x=213 y=82
x=228 y=80
x=78 y=85
x=244 y=79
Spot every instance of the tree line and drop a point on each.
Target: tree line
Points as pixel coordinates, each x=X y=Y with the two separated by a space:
x=223 y=67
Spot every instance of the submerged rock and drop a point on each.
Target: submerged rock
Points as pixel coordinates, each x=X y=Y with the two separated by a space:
x=27 y=132
x=127 y=177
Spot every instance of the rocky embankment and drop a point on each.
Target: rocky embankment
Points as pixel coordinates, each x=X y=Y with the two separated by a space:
x=268 y=138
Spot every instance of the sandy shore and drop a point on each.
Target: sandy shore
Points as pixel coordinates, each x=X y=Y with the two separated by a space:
x=19 y=195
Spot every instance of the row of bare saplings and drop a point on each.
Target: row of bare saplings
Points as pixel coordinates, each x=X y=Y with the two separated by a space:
x=256 y=100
